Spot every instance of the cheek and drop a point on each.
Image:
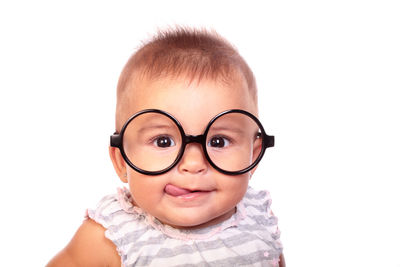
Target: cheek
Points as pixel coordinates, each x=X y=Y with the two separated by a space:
x=145 y=189
x=232 y=189
x=235 y=185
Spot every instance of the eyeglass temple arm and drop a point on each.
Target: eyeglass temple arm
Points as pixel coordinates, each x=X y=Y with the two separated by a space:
x=269 y=141
x=115 y=140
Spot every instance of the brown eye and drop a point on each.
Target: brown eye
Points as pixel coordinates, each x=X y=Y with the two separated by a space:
x=164 y=141
x=218 y=141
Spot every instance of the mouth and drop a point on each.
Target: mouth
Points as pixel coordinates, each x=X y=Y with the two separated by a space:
x=179 y=192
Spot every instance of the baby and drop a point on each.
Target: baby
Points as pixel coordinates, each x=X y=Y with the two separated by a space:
x=187 y=142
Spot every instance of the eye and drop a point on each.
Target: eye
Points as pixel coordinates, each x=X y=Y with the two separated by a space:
x=163 y=141
x=218 y=142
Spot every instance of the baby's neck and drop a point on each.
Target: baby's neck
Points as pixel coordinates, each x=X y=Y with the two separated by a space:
x=211 y=222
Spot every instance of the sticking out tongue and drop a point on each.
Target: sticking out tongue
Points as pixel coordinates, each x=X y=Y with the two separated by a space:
x=175 y=191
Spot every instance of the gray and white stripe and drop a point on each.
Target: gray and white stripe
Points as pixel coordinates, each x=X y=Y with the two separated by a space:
x=253 y=241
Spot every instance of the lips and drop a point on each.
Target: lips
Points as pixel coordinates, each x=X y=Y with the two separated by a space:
x=177 y=191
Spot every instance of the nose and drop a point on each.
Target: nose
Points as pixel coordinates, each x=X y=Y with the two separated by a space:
x=193 y=160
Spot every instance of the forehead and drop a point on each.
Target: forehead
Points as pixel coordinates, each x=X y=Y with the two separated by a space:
x=193 y=103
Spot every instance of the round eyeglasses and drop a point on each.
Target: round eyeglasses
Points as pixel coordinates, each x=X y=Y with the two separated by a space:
x=152 y=141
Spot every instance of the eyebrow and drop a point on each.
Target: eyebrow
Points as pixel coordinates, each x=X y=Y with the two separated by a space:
x=224 y=128
x=154 y=127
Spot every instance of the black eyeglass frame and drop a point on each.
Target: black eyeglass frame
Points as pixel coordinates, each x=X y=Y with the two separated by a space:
x=116 y=140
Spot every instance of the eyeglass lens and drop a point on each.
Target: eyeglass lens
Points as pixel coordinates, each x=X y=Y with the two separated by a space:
x=233 y=142
x=152 y=141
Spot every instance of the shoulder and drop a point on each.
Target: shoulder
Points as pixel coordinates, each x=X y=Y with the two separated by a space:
x=88 y=247
x=113 y=209
x=93 y=244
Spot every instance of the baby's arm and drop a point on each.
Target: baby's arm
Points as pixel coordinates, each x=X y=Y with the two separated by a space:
x=282 y=261
x=88 y=247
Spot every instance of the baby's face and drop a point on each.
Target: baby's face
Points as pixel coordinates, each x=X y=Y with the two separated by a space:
x=171 y=197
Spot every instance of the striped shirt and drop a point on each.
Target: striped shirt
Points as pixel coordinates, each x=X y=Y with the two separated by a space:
x=249 y=238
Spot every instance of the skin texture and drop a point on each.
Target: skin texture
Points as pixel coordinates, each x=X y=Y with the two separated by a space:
x=193 y=104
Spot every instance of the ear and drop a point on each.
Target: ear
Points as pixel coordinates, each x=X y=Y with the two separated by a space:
x=257 y=145
x=119 y=163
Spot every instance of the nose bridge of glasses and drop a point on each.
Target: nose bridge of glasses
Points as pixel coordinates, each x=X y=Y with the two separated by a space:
x=193 y=159
x=194 y=139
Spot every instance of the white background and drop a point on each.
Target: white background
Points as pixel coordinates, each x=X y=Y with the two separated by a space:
x=328 y=74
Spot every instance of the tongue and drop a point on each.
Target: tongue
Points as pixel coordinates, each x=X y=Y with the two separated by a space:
x=175 y=191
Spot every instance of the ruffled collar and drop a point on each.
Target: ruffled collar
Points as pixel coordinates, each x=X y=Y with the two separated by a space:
x=125 y=200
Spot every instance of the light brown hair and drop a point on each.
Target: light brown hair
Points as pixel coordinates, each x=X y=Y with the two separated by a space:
x=184 y=52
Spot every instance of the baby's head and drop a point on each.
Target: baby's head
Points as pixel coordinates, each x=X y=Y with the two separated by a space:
x=183 y=167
